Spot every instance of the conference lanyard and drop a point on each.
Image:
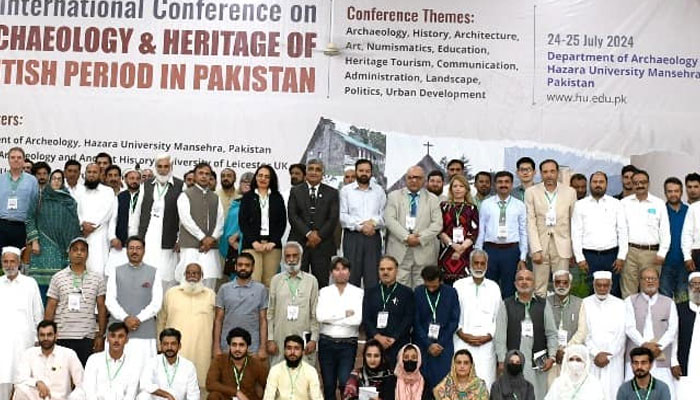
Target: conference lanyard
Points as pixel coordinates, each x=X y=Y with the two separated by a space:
x=550 y=200
x=239 y=378
x=636 y=389
x=14 y=184
x=77 y=278
x=161 y=192
x=293 y=288
x=386 y=299
x=168 y=376
x=564 y=307
x=109 y=373
x=458 y=213
x=503 y=206
x=433 y=308
x=293 y=380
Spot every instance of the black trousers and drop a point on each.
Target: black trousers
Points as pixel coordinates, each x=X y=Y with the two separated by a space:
x=12 y=233
x=318 y=261
x=363 y=252
x=82 y=347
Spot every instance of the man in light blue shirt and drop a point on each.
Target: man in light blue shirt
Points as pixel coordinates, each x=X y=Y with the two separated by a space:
x=18 y=193
x=503 y=234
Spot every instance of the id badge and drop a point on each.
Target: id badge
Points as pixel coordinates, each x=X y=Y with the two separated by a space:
x=502 y=232
x=527 y=328
x=562 y=337
x=410 y=223
x=74 y=301
x=265 y=231
x=433 y=331
x=382 y=319
x=458 y=234
x=651 y=218
x=551 y=218
x=292 y=312
x=11 y=203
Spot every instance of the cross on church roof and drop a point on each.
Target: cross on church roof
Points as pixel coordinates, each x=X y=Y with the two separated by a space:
x=428 y=145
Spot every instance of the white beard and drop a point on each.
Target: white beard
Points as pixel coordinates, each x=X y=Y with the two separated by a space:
x=163 y=179
x=192 y=288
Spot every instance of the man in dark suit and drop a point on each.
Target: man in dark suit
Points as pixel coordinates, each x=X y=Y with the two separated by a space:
x=313 y=215
x=125 y=218
x=159 y=222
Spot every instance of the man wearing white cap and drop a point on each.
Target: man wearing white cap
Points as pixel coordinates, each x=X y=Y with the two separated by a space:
x=603 y=319
x=566 y=308
x=95 y=202
x=159 y=221
x=685 y=357
x=125 y=219
x=20 y=313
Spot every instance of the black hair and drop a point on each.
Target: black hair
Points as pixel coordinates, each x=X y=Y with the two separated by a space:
x=135 y=238
x=577 y=177
x=599 y=173
x=436 y=172
x=430 y=273
x=692 y=177
x=45 y=323
x=501 y=174
x=374 y=343
x=455 y=161
x=642 y=172
x=364 y=161
x=629 y=168
x=525 y=160
x=299 y=166
x=184 y=177
x=340 y=260
x=390 y=258
x=549 y=160
x=116 y=326
x=238 y=332
x=482 y=173
x=673 y=180
x=113 y=166
x=170 y=332
x=274 y=186
x=102 y=155
x=247 y=256
x=201 y=165
x=72 y=162
x=464 y=352
x=40 y=165
x=641 y=351
x=295 y=339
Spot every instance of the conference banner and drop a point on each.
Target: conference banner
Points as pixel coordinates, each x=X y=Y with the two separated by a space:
x=402 y=82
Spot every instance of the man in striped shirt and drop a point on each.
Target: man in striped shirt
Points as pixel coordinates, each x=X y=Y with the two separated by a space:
x=71 y=299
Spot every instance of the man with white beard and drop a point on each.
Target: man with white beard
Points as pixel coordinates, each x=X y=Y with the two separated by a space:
x=651 y=321
x=603 y=318
x=95 y=202
x=566 y=308
x=189 y=308
x=479 y=301
x=685 y=358
x=20 y=313
x=159 y=222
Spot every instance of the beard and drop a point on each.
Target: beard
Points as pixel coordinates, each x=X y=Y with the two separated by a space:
x=226 y=184
x=562 y=291
x=363 y=179
x=694 y=297
x=92 y=185
x=244 y=274
x=435 y=191
x=291 y=267
x=601 y=296
x=47 y=344
x=192 y=287
x=292 y=363
x=170 y=353
x=478 y=274
x=163 y=179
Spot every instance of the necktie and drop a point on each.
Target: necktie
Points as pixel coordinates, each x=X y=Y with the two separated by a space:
x=413 y=203
x=312 y=196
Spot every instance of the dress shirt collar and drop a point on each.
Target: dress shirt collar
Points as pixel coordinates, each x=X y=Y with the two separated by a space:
x=236 y=283
x=201 y=189
x=170 y=180
x=139 y=265
x=651 y=299
x=316 y=186
x=557 y=302
x=7 y=280
x=517 y=298
x=496 y=198
x=297 y=276
x=556 y=189
x=118 y=360
x=388 y=287
x=356 y=186
x=258 y=192
x=604 y=198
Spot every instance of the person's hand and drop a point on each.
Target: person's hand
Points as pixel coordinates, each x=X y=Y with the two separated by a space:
x=690 y=266
x=349 y=313
x=548 y=365
x=176 y=248
x=240 y=395
x=44 y=391
x=560 y=356
x=35 y=247
x=217 y=350
x=522 y=265
x=466 y=245
x=456 y=255
x=500 y=368
x=537 y=258
x=601 y=359
x=88 y=228
x=310 y=347
x=413 y=240
x=313 y=239
x=676 y=372
x=116 y=244
x=132 y=323
x=390 y=340
x=435 y=349
x=583 y=266
x=658 y=260
x=98 y=344
x=654 y=347
x=271 y=347
x=617 y=265
x=368 y=228
x=382 y=340
x=269 y=246
x=262 y=354
x=257 y=246
x=456 y=247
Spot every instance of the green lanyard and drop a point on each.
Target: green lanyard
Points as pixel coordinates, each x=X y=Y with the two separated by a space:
x=636 y=389
x=293 y=286
x=14 y=184
x=502 y=210
x=161 y=192
x=168 y=376
x=573 y=396
x=527 y=309
x=458 y=213
x=433 y=308
x=239 y=378
x=386 y=299
x=109 y=373
x=550 y=200
x=75 y=279
x=134 y=200
x=293 y=380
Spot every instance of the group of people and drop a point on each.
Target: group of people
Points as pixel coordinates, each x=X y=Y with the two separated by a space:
x=540 y=291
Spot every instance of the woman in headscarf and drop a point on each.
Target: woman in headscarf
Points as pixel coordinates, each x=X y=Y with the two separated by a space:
x=575 y=381
x=373 y=373
x=231 y=239
x=512 y=384
x=410 y=384
x=50 y=230
x=461 y=383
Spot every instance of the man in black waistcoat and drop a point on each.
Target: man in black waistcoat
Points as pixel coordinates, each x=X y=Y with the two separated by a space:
x=314 y=211
x=683 y=362
x=125 y=218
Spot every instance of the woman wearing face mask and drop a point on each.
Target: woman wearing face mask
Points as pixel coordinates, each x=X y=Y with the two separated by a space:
x=462 y=382
x=512 y=384
x=373 y=373
x=575 y=381
x=410 y=384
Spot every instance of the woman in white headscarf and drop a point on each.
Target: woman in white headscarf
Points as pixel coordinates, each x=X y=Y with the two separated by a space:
x=575 y=381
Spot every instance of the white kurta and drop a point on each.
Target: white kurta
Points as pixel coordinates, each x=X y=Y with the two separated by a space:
x=109 y=379
x=667 y=339
x=605 y=323
x=479 y=308
x=21 y=310
x=182 y=384
x=95 y=206
x=209 y=260
x=165 y=260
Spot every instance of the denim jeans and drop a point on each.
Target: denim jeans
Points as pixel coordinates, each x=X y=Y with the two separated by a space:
x=674 y=281
x=603 y=261
x=336 y=359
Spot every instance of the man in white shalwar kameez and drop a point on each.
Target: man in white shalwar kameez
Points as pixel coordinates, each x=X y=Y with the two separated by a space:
x=604 y=323
x=479 y=300
x=95 y=202
x=201 y=225
x=654 y=309
x=159 y=221
x=125 y=219
x=21 y=310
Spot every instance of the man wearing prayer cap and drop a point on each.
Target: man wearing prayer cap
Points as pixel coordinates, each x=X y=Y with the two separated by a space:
x=159 y=223
x=685 y=358
x=602 y=317
x=20 y=311
x=566 y=308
